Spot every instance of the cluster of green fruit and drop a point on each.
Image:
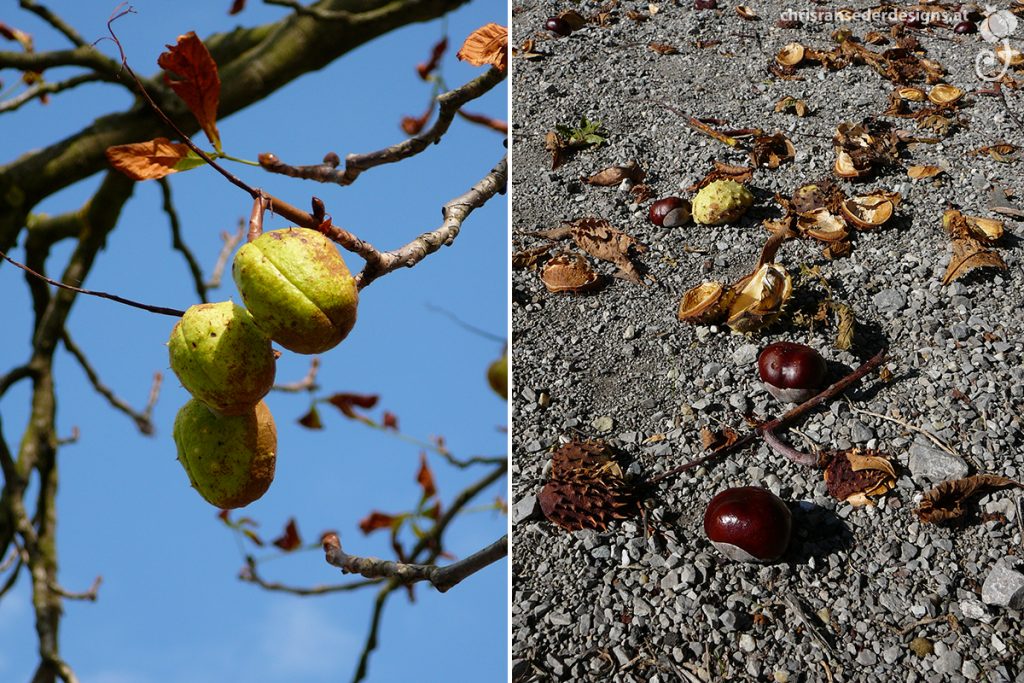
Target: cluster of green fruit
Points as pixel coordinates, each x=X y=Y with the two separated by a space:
x=300 y=294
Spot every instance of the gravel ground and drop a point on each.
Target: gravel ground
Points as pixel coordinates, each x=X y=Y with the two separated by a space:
x=892 y=599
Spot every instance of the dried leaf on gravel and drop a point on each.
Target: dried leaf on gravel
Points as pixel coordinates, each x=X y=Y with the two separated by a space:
x=717 y=439
x=946 y=502
x=845 y=326
x=855 y=476
x=791 y=104
x=663 y=48
x=1003 y=152
x=530 y=258
x=598 y=238
x=613 y=175
x=772 y=151
x=968 y=252
x=724 y=171
x=920 y=172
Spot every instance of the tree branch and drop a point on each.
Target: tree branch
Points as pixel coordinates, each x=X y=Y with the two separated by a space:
x=92 y=594
x=49 y=88
x=355 y=164
x=371 y=637
x=55 y=21
x=85 y=55
x=143 y=420
x=442 y=578
x=178 y=243
x=250 y=575
x=455 y=212
x=230 y=242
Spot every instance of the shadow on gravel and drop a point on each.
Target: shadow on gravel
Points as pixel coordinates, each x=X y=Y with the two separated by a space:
x=817 y=533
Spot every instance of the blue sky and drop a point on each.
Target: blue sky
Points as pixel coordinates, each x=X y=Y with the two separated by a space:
x=171 y=608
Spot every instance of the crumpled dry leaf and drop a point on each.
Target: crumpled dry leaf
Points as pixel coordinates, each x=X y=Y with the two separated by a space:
x=1003 y=152
x=856 y=476
x=486 y=45
x=846 y=324
x=151 y=159
x=530 y=258
x=197 y=82
x=569 y=272
x=662 y=48
x=771 y=151
x=919 y=172
x=559 y=148
x=717 y=439
x=968 y=252
x=587 y=489
x=788 y=103
x=613 y=175
x=724 y=171
x=946 y=503
x=598 y=238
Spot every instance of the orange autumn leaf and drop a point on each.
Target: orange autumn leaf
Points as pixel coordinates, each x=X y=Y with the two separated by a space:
x=197 y=82
x=425 y=478
x=486 y=45
x=148 y=160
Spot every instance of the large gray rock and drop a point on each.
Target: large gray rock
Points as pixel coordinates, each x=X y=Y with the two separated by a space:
x=933 y=465
x=1004 y=585
x=525 y=508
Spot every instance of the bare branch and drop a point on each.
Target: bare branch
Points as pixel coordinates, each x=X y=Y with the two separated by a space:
x=322 y=14
x=178 y=243
x=92 y=594
x=432 y=540
x=442 y=578
x=307 y=383
x=103 y=295
x=250 y=575
x=142 y=419
x=230 y=242
x=55 y=21
x=371 y=637
x=455 y=212
x=86 y=56
x=49 y=88
x=13 y=377
x=355 y=164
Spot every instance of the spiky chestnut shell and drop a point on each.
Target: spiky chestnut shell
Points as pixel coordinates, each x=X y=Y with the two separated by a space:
x=221 y=357
x=298 y=289
x=721 y=201
x=229 y=459
x=748 y=524
x=497 y=376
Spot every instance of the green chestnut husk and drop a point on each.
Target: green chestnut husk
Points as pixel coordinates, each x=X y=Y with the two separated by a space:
x=222 y=357
x=497 y=376
x=229 y=459
x=298 y=289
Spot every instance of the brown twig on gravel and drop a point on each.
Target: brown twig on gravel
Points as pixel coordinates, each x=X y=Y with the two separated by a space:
x=789 y=417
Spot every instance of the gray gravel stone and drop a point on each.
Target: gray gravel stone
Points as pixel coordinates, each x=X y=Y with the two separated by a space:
x=889 y=301
x=929 y=464
x=1004 y=585
x=525 y=508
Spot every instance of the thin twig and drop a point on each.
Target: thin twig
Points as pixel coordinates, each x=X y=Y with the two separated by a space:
x=307 y=383
x=772 y=425
x=449 y=103
x=103 y=295
x=371 y=637
x=142 y=419
x=230 y=242
x=931 y=437
x=250 y=575
x=178 y=243
x=55 y=21
x=49 y=88
x=14 y=376
x=322 y=14
x=455 y=212
x=442 y=578
x=92 y=594
x=464 y=325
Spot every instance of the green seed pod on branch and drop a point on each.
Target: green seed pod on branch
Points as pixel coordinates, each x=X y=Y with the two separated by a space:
x=298 y=288
x=497 y=376
x=229 y=459
x=222 y=357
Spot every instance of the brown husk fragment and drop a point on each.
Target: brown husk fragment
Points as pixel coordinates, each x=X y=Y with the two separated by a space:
x=946 y=503
x=757 y=299
x=855 y=476
x=530 y=258
x=702 y=305
x=771 y=151
x=587 y=489
x=968 y=252
x=569 y=272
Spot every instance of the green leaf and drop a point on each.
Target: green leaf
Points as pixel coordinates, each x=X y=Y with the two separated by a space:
x=190 y=161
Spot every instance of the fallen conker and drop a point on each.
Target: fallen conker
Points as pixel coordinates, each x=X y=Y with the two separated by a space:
x=229 y=459
x=792 y=372
x=558 y=26
x=298 y=289
x=705 y=4
x=222 y=357
x=965 y=27
x=670 y=212
x=748 y=524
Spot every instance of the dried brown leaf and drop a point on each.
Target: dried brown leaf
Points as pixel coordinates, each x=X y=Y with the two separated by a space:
x=558 y=147
x=196 y=82
x=919 y=172
x=663 y=48
x=947 y=502
x=530 y=258
x=599 y=239
x=148 y=160
x=613 y=175
x=845 y=326
x=486 y=45
x=968 y=254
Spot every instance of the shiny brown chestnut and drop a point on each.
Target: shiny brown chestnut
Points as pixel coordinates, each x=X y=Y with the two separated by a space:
x=748 y=524
x=558 y=26
x=792 y=372
x=670 y=212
